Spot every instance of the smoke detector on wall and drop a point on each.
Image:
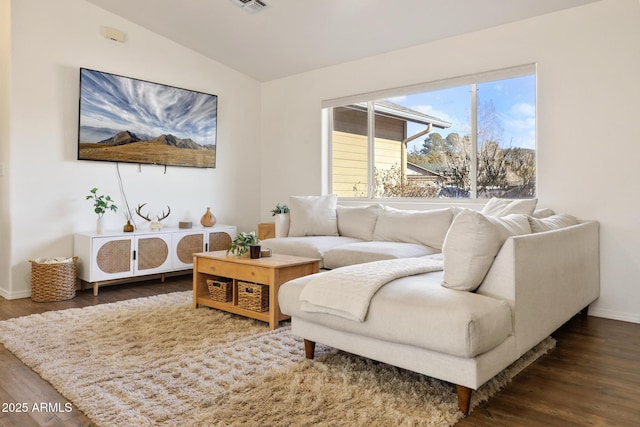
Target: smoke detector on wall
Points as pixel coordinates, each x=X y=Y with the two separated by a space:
x=251 y=6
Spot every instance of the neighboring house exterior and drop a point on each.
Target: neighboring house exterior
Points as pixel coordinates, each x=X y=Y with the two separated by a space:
x=350 y=148
x=424 y=173
x=429 y=172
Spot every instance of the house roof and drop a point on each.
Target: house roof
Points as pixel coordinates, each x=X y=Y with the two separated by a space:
x=394 y=110
x=425 y=169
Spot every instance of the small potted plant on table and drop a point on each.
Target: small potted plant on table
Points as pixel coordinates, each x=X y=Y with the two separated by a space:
x=240 y=245
x=101 y=204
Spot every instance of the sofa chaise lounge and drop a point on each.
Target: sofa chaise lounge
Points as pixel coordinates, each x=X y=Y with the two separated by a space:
x=506 y=284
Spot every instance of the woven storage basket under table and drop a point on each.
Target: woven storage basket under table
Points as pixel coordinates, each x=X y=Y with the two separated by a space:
x=253 y=296
x=53 y=280
x=220 y=289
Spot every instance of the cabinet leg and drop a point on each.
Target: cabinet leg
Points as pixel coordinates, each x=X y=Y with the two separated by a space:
x=95 y=289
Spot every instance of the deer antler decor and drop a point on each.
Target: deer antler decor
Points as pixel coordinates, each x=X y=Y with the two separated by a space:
x=138 y=209
x=153 y=224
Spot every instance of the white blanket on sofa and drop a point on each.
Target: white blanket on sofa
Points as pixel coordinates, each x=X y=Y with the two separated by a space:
x=347 y=291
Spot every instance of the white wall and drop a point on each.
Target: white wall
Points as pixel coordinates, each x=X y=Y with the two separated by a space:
x=588 y=133
x=50 y=41
x=5 y=51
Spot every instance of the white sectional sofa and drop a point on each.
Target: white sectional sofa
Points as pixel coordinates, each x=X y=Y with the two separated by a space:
x=362 y=234
x=508 y=281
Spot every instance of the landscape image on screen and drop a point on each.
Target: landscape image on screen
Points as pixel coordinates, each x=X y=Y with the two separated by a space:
x=122 y=119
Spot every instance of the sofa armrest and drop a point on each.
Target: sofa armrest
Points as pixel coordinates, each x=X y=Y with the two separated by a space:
x=546 y=278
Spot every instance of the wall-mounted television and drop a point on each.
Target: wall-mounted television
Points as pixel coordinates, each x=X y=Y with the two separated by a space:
x=122 y=119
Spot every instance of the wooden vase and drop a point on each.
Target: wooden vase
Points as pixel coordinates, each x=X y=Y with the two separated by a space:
x=208 y=220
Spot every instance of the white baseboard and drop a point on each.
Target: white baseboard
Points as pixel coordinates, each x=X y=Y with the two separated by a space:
x=15 y=295
x=615 y=315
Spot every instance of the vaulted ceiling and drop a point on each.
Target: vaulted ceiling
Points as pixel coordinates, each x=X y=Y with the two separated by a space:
x=292 y=36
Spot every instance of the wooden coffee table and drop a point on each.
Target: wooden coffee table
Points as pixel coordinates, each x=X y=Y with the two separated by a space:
x=271 y=271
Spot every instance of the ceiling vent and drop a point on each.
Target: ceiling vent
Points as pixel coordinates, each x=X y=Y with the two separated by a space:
x=251 y=6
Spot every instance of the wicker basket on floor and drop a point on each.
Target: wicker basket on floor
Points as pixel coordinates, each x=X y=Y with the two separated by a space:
x=253 y=296
x=53 y=281
x=220 y=289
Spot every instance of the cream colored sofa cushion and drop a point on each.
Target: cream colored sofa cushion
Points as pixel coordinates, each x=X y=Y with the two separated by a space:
x=472 y=243
x=503 y=207
x=308 y=246
x=552 y=222
x=542 y=213
x=313 y=216
x=417 y=311
x=422 y=227
x=357 y=221
x=361 y=252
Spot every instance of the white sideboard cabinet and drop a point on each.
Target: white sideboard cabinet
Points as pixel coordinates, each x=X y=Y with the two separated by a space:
x=117 y=256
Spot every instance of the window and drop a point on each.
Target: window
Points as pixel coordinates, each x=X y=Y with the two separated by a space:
x=471 y=137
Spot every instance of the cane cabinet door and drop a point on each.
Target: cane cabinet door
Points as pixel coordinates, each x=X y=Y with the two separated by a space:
x=185 y=244
x=111 y=258
x=220 y=237
x=152 y=253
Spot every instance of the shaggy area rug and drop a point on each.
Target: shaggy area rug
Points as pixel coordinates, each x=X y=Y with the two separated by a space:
x=157 y=362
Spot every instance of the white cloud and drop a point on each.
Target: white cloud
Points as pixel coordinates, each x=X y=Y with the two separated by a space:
x=517 y=124
x=523 y=109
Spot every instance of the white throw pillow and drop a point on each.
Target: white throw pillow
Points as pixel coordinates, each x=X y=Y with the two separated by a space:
x=542 y=213
x=428 y=228
x=503 y=207
x=553 y=222
x=313 y=216
x=472 y=243
x=357 y=221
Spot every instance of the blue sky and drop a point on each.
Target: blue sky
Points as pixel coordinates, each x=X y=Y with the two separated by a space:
x=119 y=103
x=513 y=100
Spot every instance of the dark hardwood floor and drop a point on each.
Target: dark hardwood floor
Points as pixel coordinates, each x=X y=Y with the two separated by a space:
x=591 y=378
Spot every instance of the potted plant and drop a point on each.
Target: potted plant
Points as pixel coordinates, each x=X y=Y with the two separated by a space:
x=101 y=203
x=280 y=209
x=240 y=245
x=281 y=214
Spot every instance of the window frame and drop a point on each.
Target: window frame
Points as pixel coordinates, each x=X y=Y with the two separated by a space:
x=471 y=80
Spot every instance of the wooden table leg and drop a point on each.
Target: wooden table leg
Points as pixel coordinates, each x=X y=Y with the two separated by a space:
x=195 y=283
